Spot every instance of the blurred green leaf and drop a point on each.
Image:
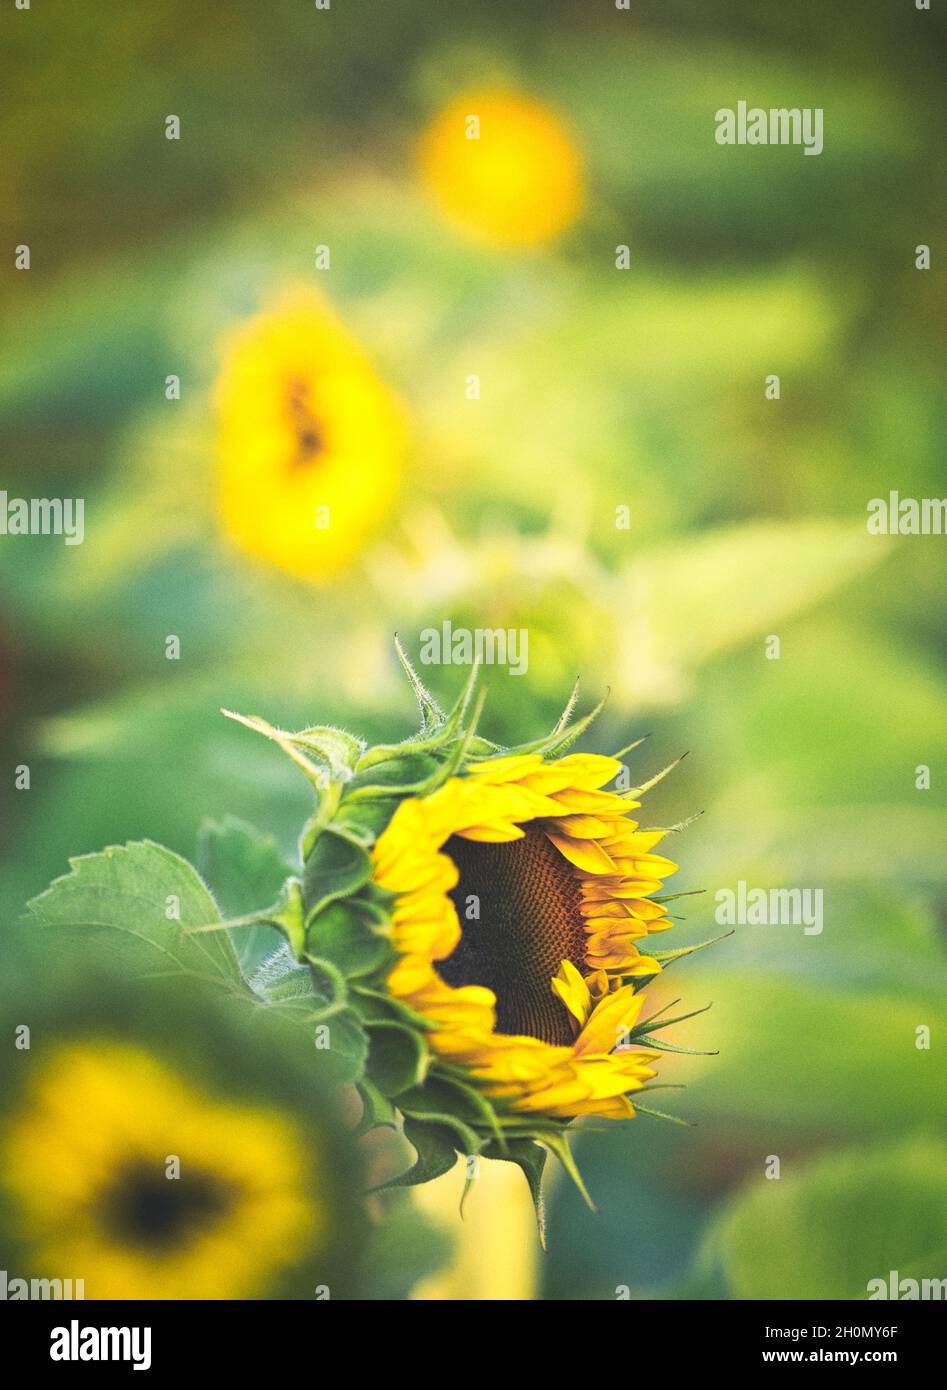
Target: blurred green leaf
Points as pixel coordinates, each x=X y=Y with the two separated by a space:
x=246 y=871
x=690 y=600
x=829 y=1228
x=800 y=1058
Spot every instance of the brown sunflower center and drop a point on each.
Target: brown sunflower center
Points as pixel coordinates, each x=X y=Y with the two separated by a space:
x=309 y=441
x=518 y=906
x=144 y=1207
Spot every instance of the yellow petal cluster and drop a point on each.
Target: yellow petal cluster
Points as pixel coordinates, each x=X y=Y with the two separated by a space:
x=618 y=874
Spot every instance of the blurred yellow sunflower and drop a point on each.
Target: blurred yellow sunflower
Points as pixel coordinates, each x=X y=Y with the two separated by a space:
x=311 y=441
x=522 y=891
x=87 y=1165
x=503 y=167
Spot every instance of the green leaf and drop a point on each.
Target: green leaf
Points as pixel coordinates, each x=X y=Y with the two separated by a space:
x=246 y=872
x=436 y=1154
x=665 y=957
x=342 y=1061
x=403 y=1247
x=662 y=1045
x=398 y=1058
x=243 y=866
x=285 y=916
x=131 y=890
x=335 y=868
x=827 y=1229
x=707 y=593
x=859 y=1045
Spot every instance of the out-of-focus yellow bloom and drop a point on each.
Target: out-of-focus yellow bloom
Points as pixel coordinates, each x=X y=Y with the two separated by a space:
x=86 y=1166
x=311 y=441
x=502 y=167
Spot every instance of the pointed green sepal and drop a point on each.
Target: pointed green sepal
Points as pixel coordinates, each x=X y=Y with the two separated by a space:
x=376 y=1108
x=398 y=1057
x=531 y=1159
x=558 y=1144
x=436 y=1155
x=634 y=792
x=663 y=1115
x=341 y=933
x=335 y=868
x=431 y=712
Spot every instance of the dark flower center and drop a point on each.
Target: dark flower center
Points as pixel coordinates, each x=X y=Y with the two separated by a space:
x=146 y=1208
x=529 y=923
x=309 y=441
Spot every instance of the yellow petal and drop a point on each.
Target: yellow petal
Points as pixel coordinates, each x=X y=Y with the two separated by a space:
x=587 y=855
x=609 y=1021
x=571 y=988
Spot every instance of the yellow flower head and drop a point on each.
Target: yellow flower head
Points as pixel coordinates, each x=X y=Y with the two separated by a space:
x=522 y=892
x=87 y=1163
x=481 y=916
x=311 y=441
x=502 y=167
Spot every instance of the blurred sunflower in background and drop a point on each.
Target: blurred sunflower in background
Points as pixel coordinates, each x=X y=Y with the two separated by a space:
x=502 y=167
x=311 y=441
x=86 y=1160
x=162 y=1138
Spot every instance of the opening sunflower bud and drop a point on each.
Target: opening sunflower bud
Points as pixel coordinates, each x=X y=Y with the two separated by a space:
x=482 y=916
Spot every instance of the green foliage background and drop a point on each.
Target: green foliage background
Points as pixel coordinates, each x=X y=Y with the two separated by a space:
x=600 y=389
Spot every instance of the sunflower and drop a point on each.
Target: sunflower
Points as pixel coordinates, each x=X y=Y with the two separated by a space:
x=481 y=916
x=502 y=167
x=532 y=994
x=87 y=1165
x=311 y=441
